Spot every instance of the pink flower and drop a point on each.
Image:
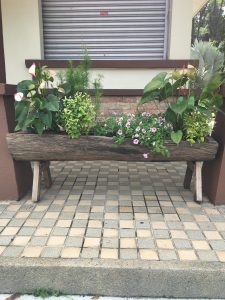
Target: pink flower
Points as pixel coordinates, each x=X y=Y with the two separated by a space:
x=114 y=113
x=18 y=96
x=143 y=130
x=145 y=155
x=61 y=90
x=119 y=132
x=136 y=142
x=153 y=130
x=143 y=114
x=32 y=69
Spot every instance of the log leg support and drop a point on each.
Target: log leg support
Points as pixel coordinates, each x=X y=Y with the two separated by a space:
x=196 y=169
x=40 y=168
x=198 y=181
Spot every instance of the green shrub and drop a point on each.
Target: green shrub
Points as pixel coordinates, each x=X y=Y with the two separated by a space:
x=77 y=115
x=197 y=126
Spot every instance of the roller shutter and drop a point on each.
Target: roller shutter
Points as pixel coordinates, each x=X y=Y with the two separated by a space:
x=109 y=29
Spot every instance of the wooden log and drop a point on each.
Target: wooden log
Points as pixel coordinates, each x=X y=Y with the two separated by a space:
x=50 y=147
x=188 y=175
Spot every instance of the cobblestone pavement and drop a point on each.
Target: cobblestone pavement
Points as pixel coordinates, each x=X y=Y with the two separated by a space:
x=114 y=210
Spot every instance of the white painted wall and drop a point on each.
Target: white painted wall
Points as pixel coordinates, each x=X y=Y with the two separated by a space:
x=22 y=31
x=180 y=29
x=22 y=36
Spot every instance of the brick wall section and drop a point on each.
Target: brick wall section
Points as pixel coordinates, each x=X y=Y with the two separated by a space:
x=125 y=104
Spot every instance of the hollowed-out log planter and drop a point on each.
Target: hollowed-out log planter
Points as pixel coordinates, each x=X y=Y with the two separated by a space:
x=57 y=147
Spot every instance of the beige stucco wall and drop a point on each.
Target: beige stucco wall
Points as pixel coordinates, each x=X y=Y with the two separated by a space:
x=22 y=30
x=180 y=29
x=22 y=36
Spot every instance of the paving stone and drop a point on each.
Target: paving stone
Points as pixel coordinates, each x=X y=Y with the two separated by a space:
x=195 y=235
x=90 y=253
x=187 y=255
x=51 y=252
x=217 y=245
x=129 y=233
x=110 y=243
x=74 y=241
x=38 y=241
x=167 y=255
x=47 y=223
x=128 y=253
x=147 y=254
x=146 y=243
x=13 y=251
x=60 y=231
x=93 y=232
x=207 y=255
x=182 y=244
x=70 y=252
x=5 y=240
x=109 y=253
x=26 y=231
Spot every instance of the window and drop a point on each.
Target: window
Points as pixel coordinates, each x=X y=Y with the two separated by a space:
x=109 y=29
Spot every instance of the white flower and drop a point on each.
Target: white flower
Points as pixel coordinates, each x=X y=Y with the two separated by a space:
x=32 y=69
x=18 y=96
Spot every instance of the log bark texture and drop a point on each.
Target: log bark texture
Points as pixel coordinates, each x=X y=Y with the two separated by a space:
x=50 y=147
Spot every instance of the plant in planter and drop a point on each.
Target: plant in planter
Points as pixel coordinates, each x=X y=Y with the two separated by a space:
x=144 y=129
x=190 y=105
x=77 y=79
x=36 y=107
x=77 y=115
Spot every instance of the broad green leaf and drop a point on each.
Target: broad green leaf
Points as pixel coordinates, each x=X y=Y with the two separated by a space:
x=22 y=115
x=180 y=106
x=156 y=83
x=153 y=85
x=39 y=126
x=171 y=117
x=52 y=103
x=176 y=137
x=191 y=101
x=46 y=118
x=150 y=96
x=23 y=86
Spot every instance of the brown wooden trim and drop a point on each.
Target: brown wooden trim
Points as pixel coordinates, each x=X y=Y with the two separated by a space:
x=117 y=64
x=2 y=55
x=7 y=89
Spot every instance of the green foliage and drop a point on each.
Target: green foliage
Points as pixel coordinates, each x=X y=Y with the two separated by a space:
x=184 y=84
x=209 y=23
x=77 y=79
x=97 y=85
x=197 y=126
x=143 y=129
x=77 y=115
x=46 y=293
x=36 y=112
x=210 y=61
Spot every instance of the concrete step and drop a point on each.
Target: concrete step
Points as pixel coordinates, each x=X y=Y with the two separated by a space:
x=114 y=278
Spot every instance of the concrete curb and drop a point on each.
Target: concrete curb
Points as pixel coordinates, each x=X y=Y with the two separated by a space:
x=114 y=278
